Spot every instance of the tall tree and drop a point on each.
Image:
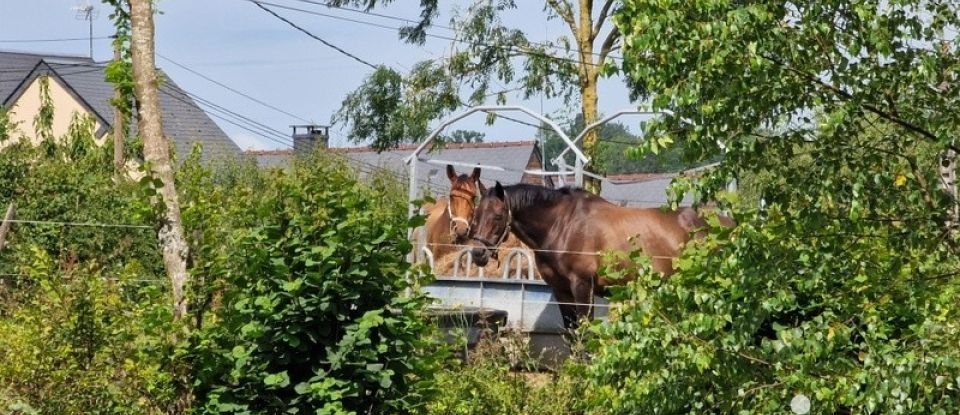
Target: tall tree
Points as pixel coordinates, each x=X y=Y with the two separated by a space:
x=156 y=150
x=487 y=59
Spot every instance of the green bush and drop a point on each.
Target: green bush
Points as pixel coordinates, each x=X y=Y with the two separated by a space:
x=82 y=341
x=841 y=290
x=71 y=180
x=84 y=316
x=500 y=376
x=313 y=319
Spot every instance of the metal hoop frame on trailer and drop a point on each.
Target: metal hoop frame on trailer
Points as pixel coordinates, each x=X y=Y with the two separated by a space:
x=411 y=160
x=578 y=170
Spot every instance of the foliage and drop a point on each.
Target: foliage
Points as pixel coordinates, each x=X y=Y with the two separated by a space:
x=214 y=204
x=43 y=120
x=83 y=319
x=463 y=136
x=617 y=150
x=6 y=125
x=82 y=341
x=393 y=110
x=390 y=108
x=497 y=379
x=313 y=316
x=69 y=180
x=840 y=287
x=119 y=72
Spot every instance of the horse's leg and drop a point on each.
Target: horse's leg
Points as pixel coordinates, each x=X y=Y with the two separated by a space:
x=561 y=290
x=568 y=311
x=582 y=289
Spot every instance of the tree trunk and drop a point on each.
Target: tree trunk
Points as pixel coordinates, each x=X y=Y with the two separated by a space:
x=948 y=183
x=156 y=150
x=5 y=226
x=119 y=130
x=590 y=141
x=588 y=86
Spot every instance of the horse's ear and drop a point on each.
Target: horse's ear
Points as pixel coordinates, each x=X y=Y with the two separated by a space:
x=475 y=176
x=499 y=191
x=451 y=173
x=482 y=187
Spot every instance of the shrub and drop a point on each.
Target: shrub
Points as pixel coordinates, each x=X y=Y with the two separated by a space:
x=85 y=342
x=502 y=377
x=84 y=321
x=313 y=317
x=72 y=180
x=761 y=318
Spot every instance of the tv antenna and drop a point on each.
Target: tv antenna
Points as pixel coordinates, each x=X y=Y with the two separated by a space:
x=86 y=11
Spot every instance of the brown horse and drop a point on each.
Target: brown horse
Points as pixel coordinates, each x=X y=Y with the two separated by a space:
x=448 y=220
x=567 y=228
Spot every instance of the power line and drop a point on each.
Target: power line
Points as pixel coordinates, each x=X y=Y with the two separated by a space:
x=232 y=89
x=77 y=224
x=218 y=112
x=338 y=49
x=552 y=251
x=258 y=4
x=367 y=12
x=251 y=126
x=406 y=20
x=443 y=37
x=212 y=112
x=68 y=39
x=250 y=121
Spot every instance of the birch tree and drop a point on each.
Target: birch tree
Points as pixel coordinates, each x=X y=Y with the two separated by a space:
x=157 y=151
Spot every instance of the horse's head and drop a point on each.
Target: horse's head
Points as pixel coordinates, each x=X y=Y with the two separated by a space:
x=491 y=225
x=463 y=192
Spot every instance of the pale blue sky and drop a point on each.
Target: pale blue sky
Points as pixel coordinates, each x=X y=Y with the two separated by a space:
x=243 y=47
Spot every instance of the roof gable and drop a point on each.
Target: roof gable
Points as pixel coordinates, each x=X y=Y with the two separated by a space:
x=16 y=66
x=42 y=69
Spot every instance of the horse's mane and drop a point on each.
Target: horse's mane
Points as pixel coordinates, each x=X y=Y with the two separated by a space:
x=523 y=195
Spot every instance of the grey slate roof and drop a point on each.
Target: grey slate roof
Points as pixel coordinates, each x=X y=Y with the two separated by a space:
x=512 y=156
x=183 y=120
x=641 y=190
x=16 y=66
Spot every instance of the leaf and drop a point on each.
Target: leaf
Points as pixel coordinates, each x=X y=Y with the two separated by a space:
x=280 y=379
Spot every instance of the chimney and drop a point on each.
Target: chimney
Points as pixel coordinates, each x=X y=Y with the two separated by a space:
x=308 y=137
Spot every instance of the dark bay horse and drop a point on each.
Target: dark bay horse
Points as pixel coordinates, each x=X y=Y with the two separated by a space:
x=448 y=220
x=567 y=227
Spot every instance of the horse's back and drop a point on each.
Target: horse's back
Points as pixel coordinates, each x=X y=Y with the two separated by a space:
x=660 y=234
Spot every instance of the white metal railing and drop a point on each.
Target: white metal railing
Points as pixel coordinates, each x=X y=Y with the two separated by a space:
x=428 y=254
x=519 y=255
x=469 y=266
x=517 y=264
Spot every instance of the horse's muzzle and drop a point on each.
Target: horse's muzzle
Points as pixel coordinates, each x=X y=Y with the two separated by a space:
x=480 y=254
x=459 y=231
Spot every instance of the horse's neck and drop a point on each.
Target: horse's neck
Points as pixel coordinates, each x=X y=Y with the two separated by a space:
x=531 y=221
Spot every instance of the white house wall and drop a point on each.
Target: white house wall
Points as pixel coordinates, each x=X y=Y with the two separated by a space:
x=23 y=111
